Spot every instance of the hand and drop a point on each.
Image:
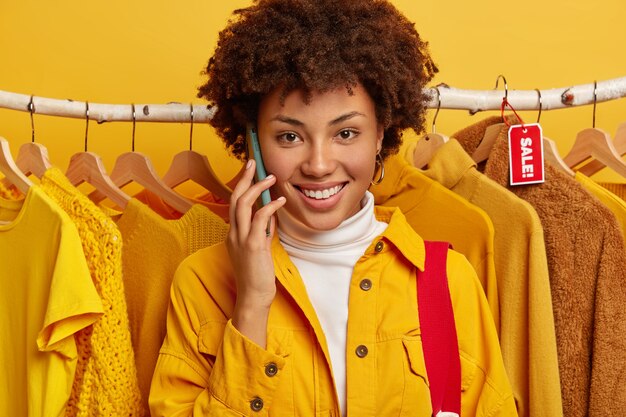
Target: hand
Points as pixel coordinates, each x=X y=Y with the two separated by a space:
x=249 y=248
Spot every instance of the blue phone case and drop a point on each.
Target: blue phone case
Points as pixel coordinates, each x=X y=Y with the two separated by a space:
x=254 y=151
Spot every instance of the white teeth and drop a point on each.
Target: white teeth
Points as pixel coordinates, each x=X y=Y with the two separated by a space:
x=322 y=194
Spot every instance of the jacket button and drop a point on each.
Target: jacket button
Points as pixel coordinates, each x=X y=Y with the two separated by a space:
x=271 y=369
x=256 y=404
x=379 y=246
x=361 y=351
x=366 y=284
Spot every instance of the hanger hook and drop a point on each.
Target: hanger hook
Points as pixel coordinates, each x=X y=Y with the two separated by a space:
x=438 y=108
x=595 y=86
x=31 y=110
x=134 y=121
x=86 y=123
x=506 y=87
x=540 y=104
x=191 y=126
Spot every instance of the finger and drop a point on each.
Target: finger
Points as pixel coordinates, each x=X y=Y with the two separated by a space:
x=246 y=204
x=263 y=216
x=242 y=185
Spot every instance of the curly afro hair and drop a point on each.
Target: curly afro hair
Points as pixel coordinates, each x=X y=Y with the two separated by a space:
x=318 y=45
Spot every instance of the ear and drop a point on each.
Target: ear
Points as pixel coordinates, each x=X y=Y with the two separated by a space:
x=380 y=134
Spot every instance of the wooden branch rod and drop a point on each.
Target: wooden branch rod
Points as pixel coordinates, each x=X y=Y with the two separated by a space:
x=450 y=97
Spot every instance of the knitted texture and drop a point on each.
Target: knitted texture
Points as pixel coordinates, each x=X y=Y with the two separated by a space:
x=105 y=382
x=616 y=188
x=147 y=279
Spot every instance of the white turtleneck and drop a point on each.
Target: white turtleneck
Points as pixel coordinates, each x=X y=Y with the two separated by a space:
x=325 y=260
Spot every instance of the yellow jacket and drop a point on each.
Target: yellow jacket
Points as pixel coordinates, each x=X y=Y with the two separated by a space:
x=206 y=367
x=437 y=213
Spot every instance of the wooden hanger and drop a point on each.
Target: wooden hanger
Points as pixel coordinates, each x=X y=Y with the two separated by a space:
x=232 y=183
x=193 y=166
x=10 y=170
x=87 y=167
x=32 y=159
x=430 y=143
x=137 y=167
x=595 y=143
x=619 y=142
x=551 y=154
x=426 y=148
x=482 y=151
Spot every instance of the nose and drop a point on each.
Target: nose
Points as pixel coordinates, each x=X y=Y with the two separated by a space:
x=319 y=161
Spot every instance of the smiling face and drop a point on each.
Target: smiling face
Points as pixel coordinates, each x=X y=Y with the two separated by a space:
x=322 y=152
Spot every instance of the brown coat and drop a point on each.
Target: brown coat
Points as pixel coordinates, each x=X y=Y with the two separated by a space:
x=587 y=267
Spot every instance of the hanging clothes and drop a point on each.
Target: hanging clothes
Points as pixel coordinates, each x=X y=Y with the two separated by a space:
x=46 y=297
x=105 y=382
x=153 y=249
x=587 y=267
x=437 y=213
x=527 y=336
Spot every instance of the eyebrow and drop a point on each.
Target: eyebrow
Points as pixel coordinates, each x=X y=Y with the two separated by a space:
x=296 y=122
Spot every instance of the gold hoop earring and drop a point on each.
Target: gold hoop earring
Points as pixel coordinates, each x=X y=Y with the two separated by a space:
x=379 y=161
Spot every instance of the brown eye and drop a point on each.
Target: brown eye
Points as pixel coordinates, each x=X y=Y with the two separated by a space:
x=347 y=134
x=288 y=138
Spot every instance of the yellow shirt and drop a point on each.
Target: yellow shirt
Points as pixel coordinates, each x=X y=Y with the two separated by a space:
x=106 y=378
x=527 y=334
x=46 y=297
x=153 y=249
x=206 y=367
x=437 y=213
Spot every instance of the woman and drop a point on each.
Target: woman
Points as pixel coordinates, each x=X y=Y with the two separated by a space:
x=320 y=316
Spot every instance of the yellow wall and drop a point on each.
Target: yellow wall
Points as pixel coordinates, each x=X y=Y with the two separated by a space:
x=153 y=52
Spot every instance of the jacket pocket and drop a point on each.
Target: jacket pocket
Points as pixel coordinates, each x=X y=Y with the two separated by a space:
x=416 y=397
x=415 y=356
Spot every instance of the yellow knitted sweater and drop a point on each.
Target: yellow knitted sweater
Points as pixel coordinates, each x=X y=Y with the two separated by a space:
x=105 y=382
x=153 y=249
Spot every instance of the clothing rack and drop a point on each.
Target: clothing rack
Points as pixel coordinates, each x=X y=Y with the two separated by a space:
x=449 y=98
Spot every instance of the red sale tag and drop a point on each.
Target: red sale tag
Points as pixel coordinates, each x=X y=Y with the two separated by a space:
x=526 y=154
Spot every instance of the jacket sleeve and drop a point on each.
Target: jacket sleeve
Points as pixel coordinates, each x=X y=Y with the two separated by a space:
x=205 y=366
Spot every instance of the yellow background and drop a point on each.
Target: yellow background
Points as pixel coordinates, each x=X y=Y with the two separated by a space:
x=153 y=52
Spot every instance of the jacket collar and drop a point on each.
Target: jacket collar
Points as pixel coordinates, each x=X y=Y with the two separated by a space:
x=398 y=234
x=450 y=164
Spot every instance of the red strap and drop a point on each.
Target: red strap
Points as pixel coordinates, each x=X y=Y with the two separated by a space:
x=439 y=339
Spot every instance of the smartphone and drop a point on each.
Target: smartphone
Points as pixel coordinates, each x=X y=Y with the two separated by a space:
x=254 y=152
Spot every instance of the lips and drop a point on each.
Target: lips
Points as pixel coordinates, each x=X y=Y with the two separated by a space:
x=321 y=193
